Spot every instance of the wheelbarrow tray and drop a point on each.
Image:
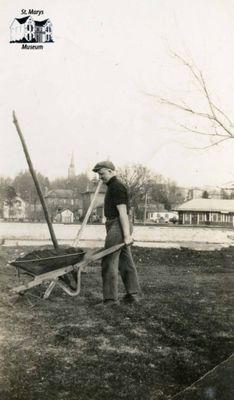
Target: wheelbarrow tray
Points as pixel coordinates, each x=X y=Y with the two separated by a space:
x=51 y=269
x=41 y=264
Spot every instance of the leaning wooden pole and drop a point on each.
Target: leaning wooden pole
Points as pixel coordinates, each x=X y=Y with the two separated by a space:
x=34 y=176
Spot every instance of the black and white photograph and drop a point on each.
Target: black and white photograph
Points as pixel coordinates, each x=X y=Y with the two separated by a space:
x=117 y=200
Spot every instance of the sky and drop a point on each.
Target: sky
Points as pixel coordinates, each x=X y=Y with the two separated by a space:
x=94 y=91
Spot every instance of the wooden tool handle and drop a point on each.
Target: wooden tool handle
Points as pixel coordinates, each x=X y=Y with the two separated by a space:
x=97 y=255
x=34 y=176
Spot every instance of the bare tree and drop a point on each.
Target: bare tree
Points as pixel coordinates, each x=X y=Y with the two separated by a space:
x=167 y=193
x=138 y=179
x=25 y=186
x=144 y=185
x=220 y=126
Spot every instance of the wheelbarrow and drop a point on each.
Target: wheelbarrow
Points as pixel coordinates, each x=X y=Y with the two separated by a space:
x=52 y=269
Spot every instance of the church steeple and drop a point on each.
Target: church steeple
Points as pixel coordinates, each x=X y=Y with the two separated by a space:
x=71 y=169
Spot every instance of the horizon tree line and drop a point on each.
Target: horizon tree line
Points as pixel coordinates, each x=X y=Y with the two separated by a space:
x=140 y=180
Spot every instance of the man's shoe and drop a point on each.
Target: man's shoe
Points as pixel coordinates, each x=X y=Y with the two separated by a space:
x=108 y=303
x=131 y=298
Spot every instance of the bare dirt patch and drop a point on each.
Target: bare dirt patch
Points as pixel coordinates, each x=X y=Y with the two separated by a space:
x=70 y=348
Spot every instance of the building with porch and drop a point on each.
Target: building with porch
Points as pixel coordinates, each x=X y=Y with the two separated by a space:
x=207 y=212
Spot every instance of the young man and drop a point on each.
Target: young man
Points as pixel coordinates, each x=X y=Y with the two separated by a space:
x=116 y=210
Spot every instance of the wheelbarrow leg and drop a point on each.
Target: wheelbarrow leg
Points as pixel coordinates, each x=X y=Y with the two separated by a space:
x=67 y=289
x=64 y=286
x=49 y=289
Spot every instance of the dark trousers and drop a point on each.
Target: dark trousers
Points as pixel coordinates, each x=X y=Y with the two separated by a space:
x=121 y=261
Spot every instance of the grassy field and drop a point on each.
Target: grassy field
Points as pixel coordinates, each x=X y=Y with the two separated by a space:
x=72 y=348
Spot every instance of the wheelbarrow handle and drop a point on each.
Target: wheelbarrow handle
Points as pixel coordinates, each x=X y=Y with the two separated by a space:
x=104 y=252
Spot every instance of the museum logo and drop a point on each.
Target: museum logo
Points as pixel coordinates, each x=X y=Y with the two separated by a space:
x=30 y=32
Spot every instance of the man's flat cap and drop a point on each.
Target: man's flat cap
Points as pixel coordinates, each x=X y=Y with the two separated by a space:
x=104 y=164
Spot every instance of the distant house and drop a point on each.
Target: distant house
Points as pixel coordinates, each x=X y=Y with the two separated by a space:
x=60 y=199
x=27 y=30
x=195 y=193
x=14 y=211
x=65 y=216
x=162 y=217
x=151 y=209
x=207 y=212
